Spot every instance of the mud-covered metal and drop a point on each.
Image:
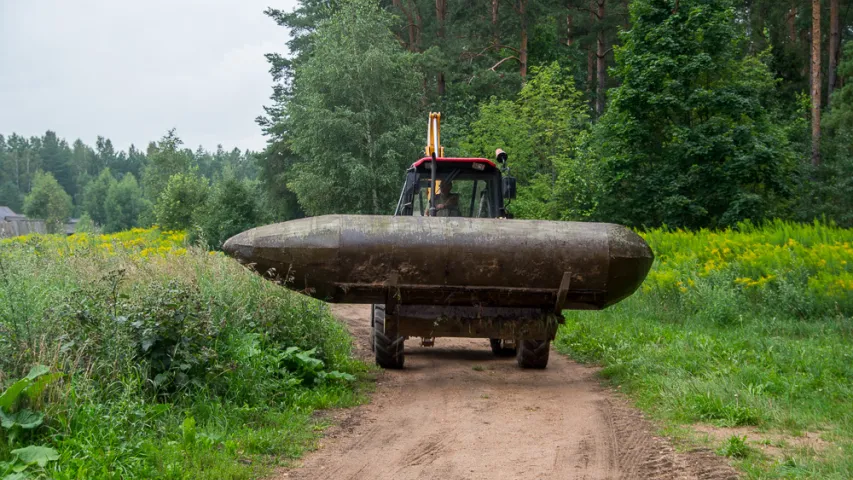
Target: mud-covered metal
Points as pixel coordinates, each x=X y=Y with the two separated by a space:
x=449 y=261
x=430 y=321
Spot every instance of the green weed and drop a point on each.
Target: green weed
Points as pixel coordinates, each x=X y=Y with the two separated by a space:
x=735 y=447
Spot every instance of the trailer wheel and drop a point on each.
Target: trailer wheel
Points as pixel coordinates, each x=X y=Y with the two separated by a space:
x=387 y=343
x=499 y=350
x=533 y=353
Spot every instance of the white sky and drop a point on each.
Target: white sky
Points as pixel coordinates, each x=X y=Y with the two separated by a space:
x=132 y=69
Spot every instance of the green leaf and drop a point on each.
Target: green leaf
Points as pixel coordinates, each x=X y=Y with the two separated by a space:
x=25 y=419
x=37 y=387
x=7 y=399
x=161 y=379
x=147 y=343
x=36 y=454
x=16 y=476
x=37 y=371
x=336 y=375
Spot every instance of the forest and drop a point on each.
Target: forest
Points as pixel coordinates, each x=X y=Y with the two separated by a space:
x=693 y=113
x=167 y=184
x=688 y=113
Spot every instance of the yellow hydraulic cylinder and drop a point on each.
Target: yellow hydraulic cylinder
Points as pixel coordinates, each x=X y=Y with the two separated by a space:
x=434 y=135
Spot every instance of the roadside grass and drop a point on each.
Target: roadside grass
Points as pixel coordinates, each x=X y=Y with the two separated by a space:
x=166 y=361
x=745 y=328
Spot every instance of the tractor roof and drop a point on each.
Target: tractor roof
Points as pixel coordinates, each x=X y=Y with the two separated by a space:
x=454 y=160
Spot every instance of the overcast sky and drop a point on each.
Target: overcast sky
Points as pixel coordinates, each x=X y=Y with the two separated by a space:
x=132 y=69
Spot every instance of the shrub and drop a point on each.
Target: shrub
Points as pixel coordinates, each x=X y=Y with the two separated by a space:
x=148 y=333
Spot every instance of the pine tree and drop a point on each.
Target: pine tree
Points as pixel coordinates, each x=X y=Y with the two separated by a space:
x=55 y=158
x=164 y=160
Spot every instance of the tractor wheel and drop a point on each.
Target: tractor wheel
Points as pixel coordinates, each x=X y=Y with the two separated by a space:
x=387 y=343
x=498 y=348
x=370 y=339
x=533 y=353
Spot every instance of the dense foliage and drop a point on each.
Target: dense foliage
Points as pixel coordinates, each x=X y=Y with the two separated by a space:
x=687 y=113
x=165 y=361
x=545 y=128
x=690 y=138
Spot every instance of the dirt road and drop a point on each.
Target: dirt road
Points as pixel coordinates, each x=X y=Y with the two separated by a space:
x=457 y=412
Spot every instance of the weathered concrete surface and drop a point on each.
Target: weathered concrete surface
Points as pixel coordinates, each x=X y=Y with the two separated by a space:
x=449 y=261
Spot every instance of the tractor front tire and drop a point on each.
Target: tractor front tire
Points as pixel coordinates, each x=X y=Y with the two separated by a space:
x=499 y=350
x=387 y=343
x=533 y=353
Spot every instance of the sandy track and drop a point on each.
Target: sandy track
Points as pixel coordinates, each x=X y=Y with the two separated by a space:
x=457 y=412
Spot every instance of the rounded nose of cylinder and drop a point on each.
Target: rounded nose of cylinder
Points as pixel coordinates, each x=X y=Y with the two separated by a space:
x=239 y=246
x=631 y=259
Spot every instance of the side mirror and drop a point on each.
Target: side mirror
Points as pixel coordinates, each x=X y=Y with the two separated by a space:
x=508 y=187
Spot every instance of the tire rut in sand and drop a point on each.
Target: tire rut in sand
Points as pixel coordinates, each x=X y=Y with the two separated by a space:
x=458 y=412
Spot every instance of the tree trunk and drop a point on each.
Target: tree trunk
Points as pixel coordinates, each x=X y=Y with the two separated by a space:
x=441 y=16
x=522 y=51
x=590 y=63
x=411 y=27
x=419 y=22
x=496 y=34
x=792 y=25
x=601 y=70
x=834 y=47
x=570 y=31
x=816 y=82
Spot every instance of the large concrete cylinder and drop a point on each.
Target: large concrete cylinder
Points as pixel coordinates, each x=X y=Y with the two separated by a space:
x=449 y=261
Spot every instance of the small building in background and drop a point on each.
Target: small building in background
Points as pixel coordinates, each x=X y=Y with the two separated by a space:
x=13 y=225
x=6 y=212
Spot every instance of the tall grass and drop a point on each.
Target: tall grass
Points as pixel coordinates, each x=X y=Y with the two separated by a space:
x=746 y=327
x=175 y=361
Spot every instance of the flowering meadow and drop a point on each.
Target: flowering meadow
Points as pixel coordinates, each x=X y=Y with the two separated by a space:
x=136 y=243
x=748 y=331
x=806 y=269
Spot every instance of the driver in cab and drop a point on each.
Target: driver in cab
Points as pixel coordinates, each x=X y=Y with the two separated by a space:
x=447 y=202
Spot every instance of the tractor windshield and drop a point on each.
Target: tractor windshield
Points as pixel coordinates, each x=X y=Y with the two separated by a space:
x=458 y=198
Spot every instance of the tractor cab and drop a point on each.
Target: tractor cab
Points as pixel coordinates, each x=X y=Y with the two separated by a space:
x=479 y=186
